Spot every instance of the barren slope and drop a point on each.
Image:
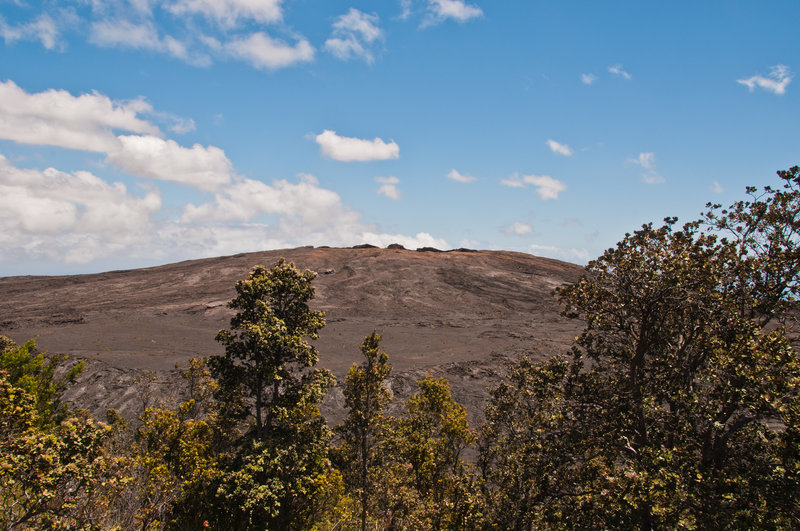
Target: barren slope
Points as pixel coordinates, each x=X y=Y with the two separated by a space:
x=457 y=314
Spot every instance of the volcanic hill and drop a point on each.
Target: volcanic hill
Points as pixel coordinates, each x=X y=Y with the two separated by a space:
x=460 y=314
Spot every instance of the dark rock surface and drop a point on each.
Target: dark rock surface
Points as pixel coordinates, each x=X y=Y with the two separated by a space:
x=456 y=314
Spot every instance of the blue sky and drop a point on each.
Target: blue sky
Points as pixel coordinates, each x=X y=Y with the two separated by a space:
x=135 y=132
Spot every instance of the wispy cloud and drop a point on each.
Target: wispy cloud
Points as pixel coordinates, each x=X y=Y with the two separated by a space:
x=389 y=187
x=349 y=149
x=648 y=163
x=458 y=10
x=142 y=36
x=518 y=228
x=262 y=51
x=454 y=175
x=559 y=149
x=546 y=186
x=42 y=29
x=588 y=79
x=776 y=81
x=571 y=254
x=717 y=188
x=353 y=34
x=618 y=71
x=230 y=12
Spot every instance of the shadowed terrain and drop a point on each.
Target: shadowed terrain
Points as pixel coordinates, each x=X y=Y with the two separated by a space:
x=459 y=314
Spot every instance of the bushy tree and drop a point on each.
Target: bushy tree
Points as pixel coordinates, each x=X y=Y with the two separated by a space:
x=52 y=460
x=267 y=348
x=280 y=476
x=677 y=407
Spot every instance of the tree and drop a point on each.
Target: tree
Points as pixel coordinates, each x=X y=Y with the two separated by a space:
x=428 y=445
x=365 y=398
x=280 y=477
x=265 y=348
x=52 y=461
x=679 y=406
x=35 y=372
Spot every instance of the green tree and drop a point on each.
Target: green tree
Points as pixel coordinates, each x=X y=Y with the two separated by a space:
x=35 y=372
x=52 y=461
x=430 y=483
x=280 y=477
x=679 y=406
x=366 y=398
x=266 y=347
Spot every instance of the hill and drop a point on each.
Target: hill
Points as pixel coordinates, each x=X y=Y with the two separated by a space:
x=458 y=314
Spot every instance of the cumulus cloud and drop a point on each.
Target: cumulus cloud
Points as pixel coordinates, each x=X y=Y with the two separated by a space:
x=230 y=12
x=588 y=79
x=546 y=186
x=458 y=177
x=618 y=71
x=776 y=81
x=353 y=34
x=42 y=29
x=307 y=214
x=389 y=187
x=559 y=149
x=57 y=118
x=648 y=163
x=348 y=149
x=262 y=51
x=571 y=255
x=206 y=168
x=70 y=217
x=458 y=10
x=518 y=228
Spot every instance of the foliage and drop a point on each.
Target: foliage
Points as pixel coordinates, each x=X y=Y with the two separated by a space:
x=281 y=471
x=429 y=484
x=362 y=430
x=265 y=348
x=35 y=372
x=677 y=408
x=52 y=465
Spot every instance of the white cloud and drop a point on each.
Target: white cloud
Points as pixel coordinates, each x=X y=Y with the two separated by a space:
x=353 y=33
x=459 y=10
x=71 y=218
x=88 y=122
x=618 y=71
x=458 y=177
x=559 y=149
x=206 y=168
x=307 y=215
x=347 y=149
x=717 y=188
x=776 y=81
x=405 y=5
x=588 y=79
x=570 y=255
x=389 y=187
x=648 y=162
x=546 y=186
x=518 y=228
x=57 y=118
x=42 y=29
x=144 y=36
x=230 y=12
x=262 y=51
